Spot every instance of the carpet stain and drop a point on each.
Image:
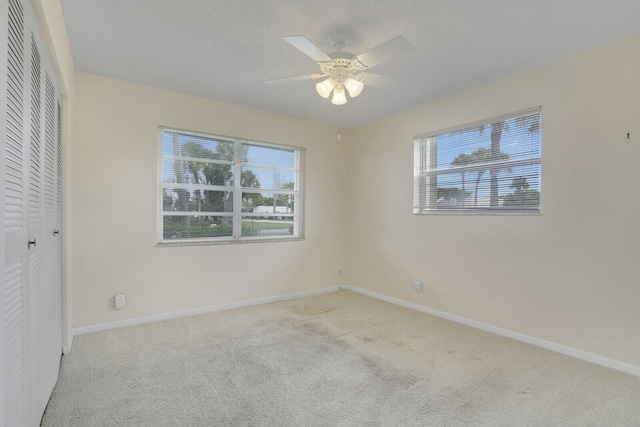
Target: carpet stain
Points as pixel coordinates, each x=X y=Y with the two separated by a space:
x=312 y=310
x=392 y=377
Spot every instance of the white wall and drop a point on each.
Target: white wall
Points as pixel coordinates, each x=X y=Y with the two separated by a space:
x=114 y=207
x=570 y=275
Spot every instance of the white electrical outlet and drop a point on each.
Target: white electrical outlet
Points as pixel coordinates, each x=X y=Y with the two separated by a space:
x=417 y=286
x=119 y=301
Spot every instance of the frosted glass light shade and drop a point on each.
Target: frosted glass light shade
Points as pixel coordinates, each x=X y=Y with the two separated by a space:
x=339 y=97
x=354 y=87
x=325 y=87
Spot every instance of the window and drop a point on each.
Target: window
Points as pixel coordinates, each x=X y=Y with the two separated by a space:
x=491 y=166
x=216 y=188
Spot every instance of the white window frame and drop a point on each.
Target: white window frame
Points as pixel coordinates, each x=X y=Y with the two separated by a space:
x=426 y=170
x=237 y=214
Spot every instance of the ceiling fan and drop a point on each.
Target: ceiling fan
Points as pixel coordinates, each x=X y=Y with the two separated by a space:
x=345 y=70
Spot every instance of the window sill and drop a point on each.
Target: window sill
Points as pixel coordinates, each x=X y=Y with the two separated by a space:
x=479 y=213
x=226 y=242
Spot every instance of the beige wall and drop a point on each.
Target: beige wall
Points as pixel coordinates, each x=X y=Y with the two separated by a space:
x=570 y=275
x=115 y=207
x=54 y=34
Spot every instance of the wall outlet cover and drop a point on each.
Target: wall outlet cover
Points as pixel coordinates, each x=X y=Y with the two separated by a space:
x=119 y=301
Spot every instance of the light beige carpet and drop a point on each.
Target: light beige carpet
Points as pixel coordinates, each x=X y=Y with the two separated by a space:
x=338 y=359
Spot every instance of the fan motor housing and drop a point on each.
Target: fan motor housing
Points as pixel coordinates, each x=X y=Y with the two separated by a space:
x=341 y=65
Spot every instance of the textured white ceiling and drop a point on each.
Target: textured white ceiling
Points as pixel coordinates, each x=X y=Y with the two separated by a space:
x=224 y=49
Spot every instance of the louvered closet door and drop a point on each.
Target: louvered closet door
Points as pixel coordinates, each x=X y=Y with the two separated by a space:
x=14 y=297
x=35 y=198
x=48 y=310
x=44 y=290
x=31 y=292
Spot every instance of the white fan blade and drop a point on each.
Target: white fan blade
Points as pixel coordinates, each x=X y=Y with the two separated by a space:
x=385 y=51
x=293 y=79
x=305 y=46
x=378 y=80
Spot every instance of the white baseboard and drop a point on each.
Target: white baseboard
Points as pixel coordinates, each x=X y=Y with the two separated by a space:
x=558 y=348
x=195 y=311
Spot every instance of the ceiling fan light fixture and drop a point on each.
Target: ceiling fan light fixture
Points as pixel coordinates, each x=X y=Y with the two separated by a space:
x=354 y=87
x=342 y=69
x=339 y=97
x=325 y=87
